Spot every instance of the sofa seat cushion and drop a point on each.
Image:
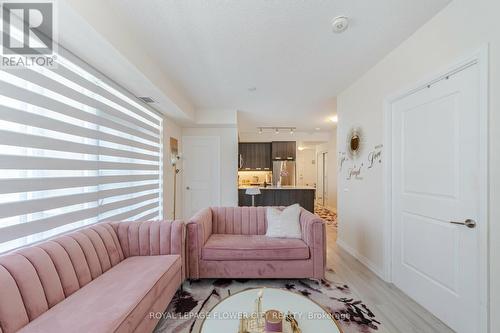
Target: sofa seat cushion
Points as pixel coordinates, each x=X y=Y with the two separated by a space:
x=116 y=301
x=253 y=247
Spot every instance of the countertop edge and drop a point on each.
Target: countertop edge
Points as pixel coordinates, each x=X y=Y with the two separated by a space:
x=279 y=188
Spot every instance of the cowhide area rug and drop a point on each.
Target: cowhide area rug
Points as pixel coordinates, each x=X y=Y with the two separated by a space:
x=329 y=216
x=199 y=297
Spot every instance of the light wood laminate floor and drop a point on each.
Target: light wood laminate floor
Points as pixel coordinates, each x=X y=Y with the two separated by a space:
x=396 y=311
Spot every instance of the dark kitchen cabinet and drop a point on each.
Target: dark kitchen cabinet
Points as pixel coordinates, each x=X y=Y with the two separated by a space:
x=265 y=198
x=283 y=150
x=243 y=157
x=289 y=197
x=254 y=156
x=279 y=197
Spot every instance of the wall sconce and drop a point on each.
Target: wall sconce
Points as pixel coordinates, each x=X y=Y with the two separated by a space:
x=174 y=158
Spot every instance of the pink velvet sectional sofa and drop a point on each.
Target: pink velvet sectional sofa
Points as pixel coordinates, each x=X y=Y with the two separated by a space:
x=108 y=277
x=230 y=242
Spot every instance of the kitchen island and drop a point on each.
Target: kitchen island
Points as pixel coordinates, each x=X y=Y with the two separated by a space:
x=279 y=196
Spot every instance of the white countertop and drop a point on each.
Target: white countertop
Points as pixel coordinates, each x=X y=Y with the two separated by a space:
x=272 y=187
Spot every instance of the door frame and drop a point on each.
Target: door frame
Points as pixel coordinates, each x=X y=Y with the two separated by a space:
x=217 y=187
x=480 y=57
x=321 y=176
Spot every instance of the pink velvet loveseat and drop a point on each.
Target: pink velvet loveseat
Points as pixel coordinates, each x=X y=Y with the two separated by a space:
x=230 y=242
x=107 y=277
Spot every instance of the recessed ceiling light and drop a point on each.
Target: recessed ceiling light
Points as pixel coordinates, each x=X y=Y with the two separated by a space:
x=301 y=148
x=334 y=119
x=252 y=89
x=340 y=24
x=317 y=128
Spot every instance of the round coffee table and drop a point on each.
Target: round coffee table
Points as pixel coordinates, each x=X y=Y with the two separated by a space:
x=226 y=315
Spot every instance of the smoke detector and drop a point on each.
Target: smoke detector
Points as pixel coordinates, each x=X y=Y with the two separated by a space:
x=340 y=24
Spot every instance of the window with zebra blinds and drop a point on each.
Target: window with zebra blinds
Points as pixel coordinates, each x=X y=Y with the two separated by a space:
x=75 y=149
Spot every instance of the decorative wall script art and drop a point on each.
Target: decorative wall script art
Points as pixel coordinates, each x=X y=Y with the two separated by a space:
x=355 y=144
x=375 y=156
x=355 y=172
x=342 y=159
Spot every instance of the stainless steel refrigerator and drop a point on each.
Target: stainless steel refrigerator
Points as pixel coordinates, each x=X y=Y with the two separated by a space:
x=284 y=171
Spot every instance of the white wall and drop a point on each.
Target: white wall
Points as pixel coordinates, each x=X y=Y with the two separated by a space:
x=229 y=160
x=216 y=117
x=457 y=31
x=284 y=136
x=136 y=70
x=171 y=129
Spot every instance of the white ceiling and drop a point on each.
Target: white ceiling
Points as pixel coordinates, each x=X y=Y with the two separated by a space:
x=215 y=50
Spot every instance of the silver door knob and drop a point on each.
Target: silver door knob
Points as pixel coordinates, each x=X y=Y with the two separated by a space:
x=469 y=223
x=188 y=188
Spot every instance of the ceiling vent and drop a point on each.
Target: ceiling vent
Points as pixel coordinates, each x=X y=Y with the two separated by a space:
x=146 y=99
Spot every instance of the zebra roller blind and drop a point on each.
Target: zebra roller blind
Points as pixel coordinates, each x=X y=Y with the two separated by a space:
x=75 y=149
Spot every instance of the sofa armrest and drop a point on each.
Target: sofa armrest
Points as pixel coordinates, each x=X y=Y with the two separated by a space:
x=149 y=238
x=314 y=235
x=199 y=229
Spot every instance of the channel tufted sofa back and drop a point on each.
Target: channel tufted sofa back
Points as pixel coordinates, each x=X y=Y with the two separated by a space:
x=230 y=242
x=239 y=220
x=149 y=238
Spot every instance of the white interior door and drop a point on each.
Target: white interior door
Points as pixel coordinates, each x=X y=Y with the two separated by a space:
x=320 y=188
x=436 y=173
x=325 y=179
x=201 y=177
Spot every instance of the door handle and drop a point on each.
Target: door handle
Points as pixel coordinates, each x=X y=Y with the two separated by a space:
x=469 y=223
x=188 y=188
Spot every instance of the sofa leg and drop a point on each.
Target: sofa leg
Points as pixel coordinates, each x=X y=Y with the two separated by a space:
x=318 y=281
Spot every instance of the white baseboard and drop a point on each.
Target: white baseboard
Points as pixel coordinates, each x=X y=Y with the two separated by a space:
x=362 y=259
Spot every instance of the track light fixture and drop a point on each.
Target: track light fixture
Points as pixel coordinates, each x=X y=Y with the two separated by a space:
x=277 y=129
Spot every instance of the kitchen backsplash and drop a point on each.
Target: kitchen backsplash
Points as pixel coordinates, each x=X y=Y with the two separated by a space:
x=252 y=177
